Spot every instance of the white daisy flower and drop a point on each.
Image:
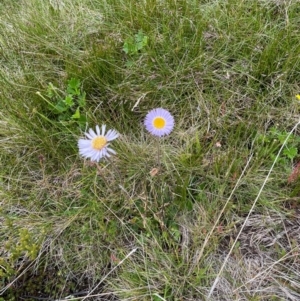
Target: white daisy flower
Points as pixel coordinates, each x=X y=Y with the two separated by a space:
x=96 y=146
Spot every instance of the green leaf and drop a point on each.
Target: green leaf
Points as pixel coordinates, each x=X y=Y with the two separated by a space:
x=73 y=86
x=129 y=47
x=81 y=100
x=82 y=119
x=60 y=107
x=76 y=115
x=291 y=152
x=141 y=40
x=64 y=117
x=69 y=100
x=175 y=232
x=50 y=90
x=129 y=64
x=126 y=47
x=133 y=45
x=139 y=37
x=282 y=137
x=74 y=83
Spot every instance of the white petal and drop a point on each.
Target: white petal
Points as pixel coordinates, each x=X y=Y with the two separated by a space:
x=92 y=133
x=103 y=129
x=97 y=130
x=96 y=157
x=111 y=135
x=85 y=151
x=111 y=150
x=105 y=153
x=89 y=136
x=83 y=143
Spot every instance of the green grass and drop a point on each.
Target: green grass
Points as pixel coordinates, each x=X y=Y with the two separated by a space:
x=228 y=71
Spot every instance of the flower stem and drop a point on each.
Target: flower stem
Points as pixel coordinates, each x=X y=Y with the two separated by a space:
x=158 y=152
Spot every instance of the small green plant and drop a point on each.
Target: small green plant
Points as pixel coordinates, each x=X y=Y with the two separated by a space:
x=274 y=139
x=26 y=246
x=290 y=151
x=133 y=45
x=69 y=105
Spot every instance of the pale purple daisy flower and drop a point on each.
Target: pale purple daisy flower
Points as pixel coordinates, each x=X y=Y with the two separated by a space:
x=159 y=122
x=96 y=146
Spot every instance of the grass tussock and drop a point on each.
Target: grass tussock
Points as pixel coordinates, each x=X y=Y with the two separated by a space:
x=202 y=214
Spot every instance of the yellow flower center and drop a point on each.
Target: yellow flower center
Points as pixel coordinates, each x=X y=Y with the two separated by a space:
x=159 y=122
x=99 y=142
